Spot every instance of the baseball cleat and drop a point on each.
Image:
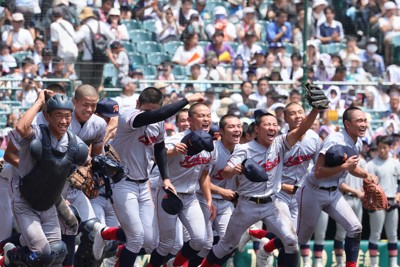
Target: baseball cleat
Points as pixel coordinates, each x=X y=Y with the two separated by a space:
x=98 y=242
x=262 y=255
x=246 y=237
x=230 y=263
x=170 y=263
x=7 y=248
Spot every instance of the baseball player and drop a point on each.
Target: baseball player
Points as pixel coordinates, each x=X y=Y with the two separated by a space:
x=140 y=136
x=230 y=131
x=258 y=201
x=46 y=155
x=187 y=173
x=320 y=189
x=295 y=165
x=352 y=192
x=387 y=169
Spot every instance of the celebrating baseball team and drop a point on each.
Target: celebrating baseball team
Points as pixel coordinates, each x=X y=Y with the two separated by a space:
x=78 y=170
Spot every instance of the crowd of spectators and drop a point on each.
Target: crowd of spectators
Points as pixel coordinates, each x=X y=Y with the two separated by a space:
x=255 y=43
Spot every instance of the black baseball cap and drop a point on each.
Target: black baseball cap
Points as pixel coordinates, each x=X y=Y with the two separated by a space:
x=253 y=171
x=338 y=154
x=108 y=107
x=198 y=141
x=171 y=202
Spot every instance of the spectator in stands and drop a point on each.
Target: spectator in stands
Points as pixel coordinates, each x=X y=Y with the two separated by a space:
x=126 y=12
x=185 y=12
x=127 y=99
x=372 y=62
x=359 y=15
x=286 y=6
x=61 y=71
x=281 y=59
x=234 y=7
x=248 y=48
x=190 y=53
x=298 y=30
x=295 y=72
x=212 y=70
x=223 y=50
x=119 y=30
x=273 y=97
x=238 y=70
x=7 y=61
x=351 y=48
x=120 y=59
x=355 y=71
x=165 y=74
x=27 y=9
x=295 y=96
x=148 y=9
x=38 y=46
x=167 y=28
x=373 y=99
x=68 y=10
x=18 y=38
x=246 y=89
x=197 y=25
x=221 y=23
x=325 y=69
x=376 y=10
x=5 y=15
x=45 y=65
x=261 y=94
x=317 y=15
x=91 y=71
x=175 y=5
x=62 y=37
x=331 y=31
x=340 y=76
x=201 y=9
x=336 y=60
x=248 y=24
x=390 y=26
x=313 y=52
x=258 y=63
x=265 y=71
x=280 y=29
x=29 y=93
x=195 y=75
x=102 y=12
x=394 y=99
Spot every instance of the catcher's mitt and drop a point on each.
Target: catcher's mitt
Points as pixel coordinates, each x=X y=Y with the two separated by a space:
x=83 y=179
x=316 y=97
x=111 y=153
x=374 y=197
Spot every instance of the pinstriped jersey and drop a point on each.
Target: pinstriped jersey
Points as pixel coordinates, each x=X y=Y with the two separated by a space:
x=388 y=172
x=135 y=146
x=222 y=157
x=299 y=157
x=185 y=171
x=271 y=159
x=333 y=139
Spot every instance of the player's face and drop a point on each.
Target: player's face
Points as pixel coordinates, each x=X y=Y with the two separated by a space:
x=357 y=126
x=383 y=150
x=85 y=107
x=182 y=123
x=201 y=119
x=294 y=115
x=232 y=131
x=267 y=130
x=59 y=121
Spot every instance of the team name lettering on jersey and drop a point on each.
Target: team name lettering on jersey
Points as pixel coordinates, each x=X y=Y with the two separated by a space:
x=190 y=161
x=218 y=175
x=269 y=165
x=147 y=140
x=296 y=160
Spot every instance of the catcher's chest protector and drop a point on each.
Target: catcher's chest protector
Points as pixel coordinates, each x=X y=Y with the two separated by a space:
x=42 y=186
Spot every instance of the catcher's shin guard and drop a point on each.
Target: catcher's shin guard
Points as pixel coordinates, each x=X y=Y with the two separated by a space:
x=59 y=251
x=24 y=257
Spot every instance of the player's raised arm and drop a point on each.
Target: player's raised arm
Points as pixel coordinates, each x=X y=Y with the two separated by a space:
x=318 y=100
x=164 y=112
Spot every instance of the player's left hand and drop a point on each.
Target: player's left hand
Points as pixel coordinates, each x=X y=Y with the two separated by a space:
x=227 y=194
x=213 y=211
x=397 y=198
x=373 y=178
x=238 y=169
x=360 y=194
x=168 y=185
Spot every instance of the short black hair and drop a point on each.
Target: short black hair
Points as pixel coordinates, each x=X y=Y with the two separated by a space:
x=179 y=113
x=385 y=139
x=56 y=88
x=330 y=9
x=251 y=128
x=259 y=118
x=222 y=121
x=150 y=95
x=296 y=55
x=262 y=79
x=193 y=107
x=294 y=92
x=347 y=114
x=243 y=83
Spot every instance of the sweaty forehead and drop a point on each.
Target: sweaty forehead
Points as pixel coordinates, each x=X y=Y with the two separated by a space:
x=202 y=110
x=357 y=114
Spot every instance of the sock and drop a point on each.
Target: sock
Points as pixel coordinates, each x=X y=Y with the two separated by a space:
x=351 y=247
x=270 y=235
x=258 y=233
x=281 y=258
x=156 y=259
x=305 y=250
x=393 y=261
x=142 y=252
x=195 y=261
x=291 y=259
x=110 y=233
x=168 y=257
x=256 y=245
x=69 y=241
x=14 y=239
x=351 y=264
x=127 y=258
x=338 y=246
x=318 y=251
x=317 y=261
x=185 y=254
x=2 y=261
x=210 y=260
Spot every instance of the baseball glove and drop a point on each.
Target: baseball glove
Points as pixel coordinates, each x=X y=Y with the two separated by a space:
x=316 y=97
x=111 y=153
x=83 y=179
x=374 y=197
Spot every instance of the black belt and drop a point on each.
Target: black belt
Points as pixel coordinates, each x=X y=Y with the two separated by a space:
x=330 y=189
x=350 y=195
x=137 y=181
x=261 y=200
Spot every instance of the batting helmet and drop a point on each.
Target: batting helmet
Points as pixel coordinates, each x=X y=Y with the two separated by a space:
x=253 y=171
x=171 y=202
x=59 y=101
x=198 y=141
x=338 y=154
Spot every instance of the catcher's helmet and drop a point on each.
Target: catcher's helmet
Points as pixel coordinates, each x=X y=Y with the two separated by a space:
x=59 y=101
x=337 y=155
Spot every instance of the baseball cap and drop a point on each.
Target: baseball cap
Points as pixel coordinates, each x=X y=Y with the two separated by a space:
x=220 y=10
x=389 y=5
x=197 y=141
x=338 y=154
x=108 y=107
x=114 y=12
x=214 y=131
x=17 y=17
x=248 y=10
x=319 y=2
x=171 y=202
x=254 y=172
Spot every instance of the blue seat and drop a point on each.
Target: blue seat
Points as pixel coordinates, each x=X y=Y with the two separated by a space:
x=139 y=36
x=179 y=72
x=110 y=74
x=158 y=58
x=132 y=24
x=149 y=72
x=137 y=59
x=149 y=47
x=149 y=25
x=172 y=46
